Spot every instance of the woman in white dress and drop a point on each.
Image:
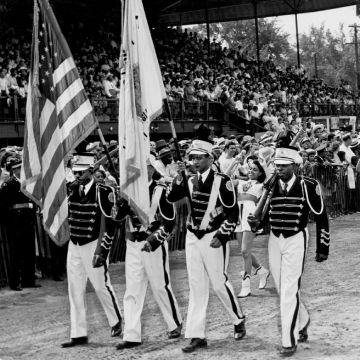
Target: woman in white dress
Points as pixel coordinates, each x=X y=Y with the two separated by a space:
x=249 y=193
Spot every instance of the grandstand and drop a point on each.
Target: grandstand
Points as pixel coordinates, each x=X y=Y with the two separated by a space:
x=205 y=82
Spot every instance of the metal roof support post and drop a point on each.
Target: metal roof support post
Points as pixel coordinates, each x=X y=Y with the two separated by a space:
x=297 y=40
x=357 y=64
x=257 y=35
x=207 y=24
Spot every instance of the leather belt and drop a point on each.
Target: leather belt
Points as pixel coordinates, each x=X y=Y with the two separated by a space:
x=22 y=206
x=138 y=236
x=198 y=233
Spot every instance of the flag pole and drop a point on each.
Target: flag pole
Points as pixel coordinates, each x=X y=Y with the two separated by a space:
x=177 y=148
x=107 y=152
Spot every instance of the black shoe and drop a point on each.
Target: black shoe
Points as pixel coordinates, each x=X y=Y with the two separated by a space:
x=194 y=344
x=127 y=345
x=75 y=342
x=16 y=288
x=116 y=330
x=303 y=334
x=176 y=333
x=34 y=285
x=239 y=330
x=58 y=278
x=288 y=351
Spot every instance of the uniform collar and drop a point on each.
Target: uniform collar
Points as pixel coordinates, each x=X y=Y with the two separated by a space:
x=204 y=175
x=290 y=183
x=88 y=186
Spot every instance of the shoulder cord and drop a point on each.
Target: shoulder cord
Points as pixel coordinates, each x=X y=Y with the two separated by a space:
x=166 y=218
x=99 y=198
x=235 y=197
x=159 y=207
x=307 y=198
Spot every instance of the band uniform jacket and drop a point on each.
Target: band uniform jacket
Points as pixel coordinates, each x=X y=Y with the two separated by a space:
x=224 y=213
x=162 y=218
x=13 y=201
x=288 y=213
x=85 y=212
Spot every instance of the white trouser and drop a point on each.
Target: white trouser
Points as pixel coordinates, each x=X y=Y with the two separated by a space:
x=286 y=260
x=79 y=269
x=140 y=268
x=205 y=263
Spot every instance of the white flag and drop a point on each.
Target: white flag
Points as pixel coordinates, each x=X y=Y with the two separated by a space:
x=141 y=98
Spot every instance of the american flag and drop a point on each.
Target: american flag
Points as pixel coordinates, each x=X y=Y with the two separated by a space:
x=58 y=117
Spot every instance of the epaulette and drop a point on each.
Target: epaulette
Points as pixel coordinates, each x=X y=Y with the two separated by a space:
x=104 y=187
x=107 y=191
x=310 y=180
x=224 y=176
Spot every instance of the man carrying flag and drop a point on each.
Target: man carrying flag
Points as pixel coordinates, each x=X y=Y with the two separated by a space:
x=147 y=227
x=58 y=117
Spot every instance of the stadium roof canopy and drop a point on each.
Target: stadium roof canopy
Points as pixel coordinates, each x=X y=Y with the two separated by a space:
x=185 y=12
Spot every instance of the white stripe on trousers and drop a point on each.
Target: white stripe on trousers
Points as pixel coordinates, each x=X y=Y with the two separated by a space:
x=205 y=263
x=286 y=260
x=142 y=268
x=79 y=269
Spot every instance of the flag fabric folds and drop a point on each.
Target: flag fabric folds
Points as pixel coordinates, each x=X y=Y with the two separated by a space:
x=58 y=117
x=141 y=99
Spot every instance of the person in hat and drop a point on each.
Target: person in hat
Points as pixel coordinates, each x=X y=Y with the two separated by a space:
x=17 y=209
x=213 y=220
x=165 y=164
x=292 y=199
x=147 y=262
x=89 y=202
x=320 y=153
x=305 y=143
x=316 y=135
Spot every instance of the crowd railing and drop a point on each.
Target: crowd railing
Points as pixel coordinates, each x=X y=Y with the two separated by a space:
x=107 y=109
x=339 y=199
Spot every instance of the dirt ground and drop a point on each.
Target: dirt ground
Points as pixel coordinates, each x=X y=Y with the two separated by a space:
x=34 y=322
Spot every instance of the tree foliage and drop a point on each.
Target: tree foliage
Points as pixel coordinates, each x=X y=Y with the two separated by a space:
x=335 y=59
x=273 y=42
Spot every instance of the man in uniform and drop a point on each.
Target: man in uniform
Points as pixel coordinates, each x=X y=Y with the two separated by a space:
x=214 y=217
x=147 y=261
x=19 y=219
x=292 y=200
x=88 y=201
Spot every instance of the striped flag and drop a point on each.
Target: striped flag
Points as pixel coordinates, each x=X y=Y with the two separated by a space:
x=141 y=98
x=58 y=117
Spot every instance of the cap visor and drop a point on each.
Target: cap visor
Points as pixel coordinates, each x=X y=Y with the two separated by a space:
x=198 y=152
x=80 y=167
x=283 y=162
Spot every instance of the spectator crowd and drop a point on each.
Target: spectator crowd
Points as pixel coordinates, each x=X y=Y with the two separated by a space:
x=193 y=70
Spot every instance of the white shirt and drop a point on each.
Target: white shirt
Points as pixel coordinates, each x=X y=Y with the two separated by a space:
x=88 y=186
x=290 y=183
x=204 y=175
x=348 y=152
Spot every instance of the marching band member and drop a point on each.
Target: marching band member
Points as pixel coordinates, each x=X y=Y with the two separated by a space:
x=87 y=201
x=18 y=215
x=214 y=217
x=147 y=261
x=292 y=199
